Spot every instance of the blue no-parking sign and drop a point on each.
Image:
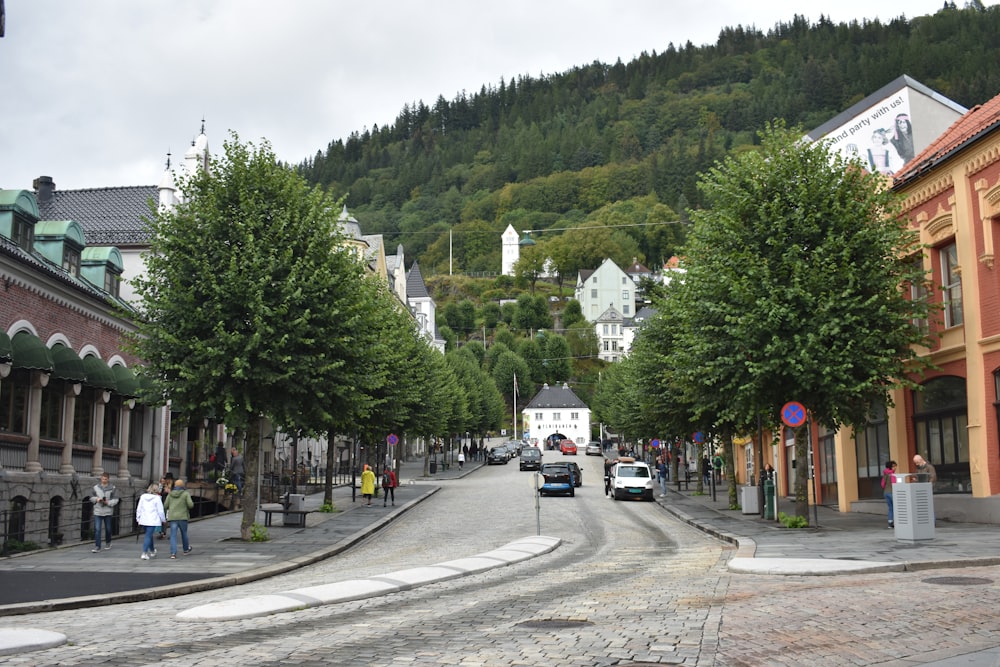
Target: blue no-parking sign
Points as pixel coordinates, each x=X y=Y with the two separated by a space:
x=793 y=414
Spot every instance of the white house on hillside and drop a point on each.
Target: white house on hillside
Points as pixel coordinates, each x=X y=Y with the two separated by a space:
x=603 y=288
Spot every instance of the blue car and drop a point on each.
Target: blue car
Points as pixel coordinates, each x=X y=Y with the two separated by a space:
x=557 y=479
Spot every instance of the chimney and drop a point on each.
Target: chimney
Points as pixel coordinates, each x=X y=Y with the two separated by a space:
x=44 y=187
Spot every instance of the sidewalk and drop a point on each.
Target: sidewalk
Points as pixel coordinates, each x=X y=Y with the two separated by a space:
x=48 y=580
x=838 y=543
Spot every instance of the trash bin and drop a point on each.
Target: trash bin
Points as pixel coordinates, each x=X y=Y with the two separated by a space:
x=769 y=499
x=913 y=507
x=749 y=500
x=296 y=501
x=434 y=467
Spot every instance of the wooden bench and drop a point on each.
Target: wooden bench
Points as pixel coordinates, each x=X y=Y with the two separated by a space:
x=298 y=516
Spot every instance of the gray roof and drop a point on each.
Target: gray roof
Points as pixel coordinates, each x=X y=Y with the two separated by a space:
x=556 y=397
x=415 y=286
x=109 y=216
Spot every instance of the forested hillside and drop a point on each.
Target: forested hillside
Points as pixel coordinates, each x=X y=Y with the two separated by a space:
x=620 y=146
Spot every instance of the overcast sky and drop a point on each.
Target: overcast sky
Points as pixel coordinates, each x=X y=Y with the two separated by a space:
x=96 y=92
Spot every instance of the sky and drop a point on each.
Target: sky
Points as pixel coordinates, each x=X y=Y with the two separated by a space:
x=97 y=92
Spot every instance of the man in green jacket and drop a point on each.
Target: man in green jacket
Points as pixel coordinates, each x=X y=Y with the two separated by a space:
x=178 y=508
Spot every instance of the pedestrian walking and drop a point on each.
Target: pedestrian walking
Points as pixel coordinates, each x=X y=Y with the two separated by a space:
x=389 y=484
x=661 y=474
x=236 y=470
x=105 y=498
x=461 y=460
x=178 y=510
x=166 y=484
x=149 y=514
x=219 y=458
x=887 y=480
x=706 y=470
x=368 y=484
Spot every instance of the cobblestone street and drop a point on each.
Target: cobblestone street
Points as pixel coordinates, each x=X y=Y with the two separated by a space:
x=629 y=585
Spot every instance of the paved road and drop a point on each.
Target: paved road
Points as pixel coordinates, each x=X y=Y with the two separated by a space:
x=629 y=584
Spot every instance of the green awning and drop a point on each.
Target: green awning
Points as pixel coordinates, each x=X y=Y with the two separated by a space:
x=68 y=364
x=98 y=374
x=127 y=383
x=29 y=352
x=5 y=349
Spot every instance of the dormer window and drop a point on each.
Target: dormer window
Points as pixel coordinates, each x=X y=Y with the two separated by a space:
x=111 y=283
x=71 y=260
x=23 y=233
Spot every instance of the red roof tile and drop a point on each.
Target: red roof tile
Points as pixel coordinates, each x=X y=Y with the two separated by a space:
x=976 y=121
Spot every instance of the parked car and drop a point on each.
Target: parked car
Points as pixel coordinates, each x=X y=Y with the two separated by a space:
x=594 y=449
x=497 y=455
x=631 y=479
x=567 y=447
x=557 y=478
x=531 y=458
x=577 y=473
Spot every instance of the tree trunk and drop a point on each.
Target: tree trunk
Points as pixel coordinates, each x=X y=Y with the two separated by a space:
x=251 y=466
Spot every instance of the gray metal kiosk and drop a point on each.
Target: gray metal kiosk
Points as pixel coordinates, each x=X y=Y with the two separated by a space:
x=913 y=506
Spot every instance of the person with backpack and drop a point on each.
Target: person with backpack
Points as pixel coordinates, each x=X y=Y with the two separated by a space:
x=389 y=484
x=887 y=478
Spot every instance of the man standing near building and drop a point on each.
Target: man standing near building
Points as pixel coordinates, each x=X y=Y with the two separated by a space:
x=105 y=498
x=236 y=470
x=923 y=466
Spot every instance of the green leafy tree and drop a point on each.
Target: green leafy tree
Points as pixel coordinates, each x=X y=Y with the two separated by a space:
x=558 y=363
x=793 y=291
x=248 y=306
x=532 y=313
x=572 y=314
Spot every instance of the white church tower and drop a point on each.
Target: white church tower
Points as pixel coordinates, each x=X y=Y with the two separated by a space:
x=511 y=251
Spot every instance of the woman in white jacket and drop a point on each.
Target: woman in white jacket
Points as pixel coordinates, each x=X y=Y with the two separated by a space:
x=149 y=514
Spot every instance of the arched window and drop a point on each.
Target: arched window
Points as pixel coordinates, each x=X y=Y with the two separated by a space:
x=940 y=421
x=17 y=522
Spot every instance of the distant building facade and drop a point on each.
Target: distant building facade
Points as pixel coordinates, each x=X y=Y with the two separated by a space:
x=554 y=414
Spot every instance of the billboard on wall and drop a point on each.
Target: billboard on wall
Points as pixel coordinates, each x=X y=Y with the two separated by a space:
x=881 y=136
x=889 y=127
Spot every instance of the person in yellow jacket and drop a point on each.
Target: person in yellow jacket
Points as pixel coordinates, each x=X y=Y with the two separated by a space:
x=368 y=484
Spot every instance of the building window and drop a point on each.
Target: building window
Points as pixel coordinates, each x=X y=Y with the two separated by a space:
x=23 y=234
x=996 y=396
x=626 y=310
x=112 y=420
x=556 y=416
x=593 y=294
x=14 y=392
x=951 y=285
x=607 y=345
x=918 y=293
x=614 y=329
x=574 y=416
x=941 y=424
x=71 y=261
x=871 y=448
x=83 y=418
x=624 y=280
x=538 y=416
x=605 y=329
x=594 y=280
x=625 y=295
x=111 y=283
x=50 y=426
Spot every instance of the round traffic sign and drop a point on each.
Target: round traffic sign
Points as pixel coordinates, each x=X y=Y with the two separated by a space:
x=392 y=439
x=793 y=414
x=698 y=437
x=655 y=443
